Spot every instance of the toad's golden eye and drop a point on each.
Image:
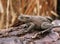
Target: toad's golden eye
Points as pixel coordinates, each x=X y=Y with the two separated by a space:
x=22 y=17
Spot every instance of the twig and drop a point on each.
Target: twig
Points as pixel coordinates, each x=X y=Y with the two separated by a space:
x=30 y=7
x=2 y=16
x=55 y=14
x=7 y=13
x=37 y=2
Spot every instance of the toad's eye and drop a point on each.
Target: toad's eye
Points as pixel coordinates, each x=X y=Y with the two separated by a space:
x=23 y=18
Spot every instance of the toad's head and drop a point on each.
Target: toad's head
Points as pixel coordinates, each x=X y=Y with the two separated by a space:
x=24 y=18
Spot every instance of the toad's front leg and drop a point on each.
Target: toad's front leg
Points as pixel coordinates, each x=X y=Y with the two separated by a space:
x=31 y=27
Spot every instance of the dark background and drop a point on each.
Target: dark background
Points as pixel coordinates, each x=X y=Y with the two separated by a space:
x=58 y=7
